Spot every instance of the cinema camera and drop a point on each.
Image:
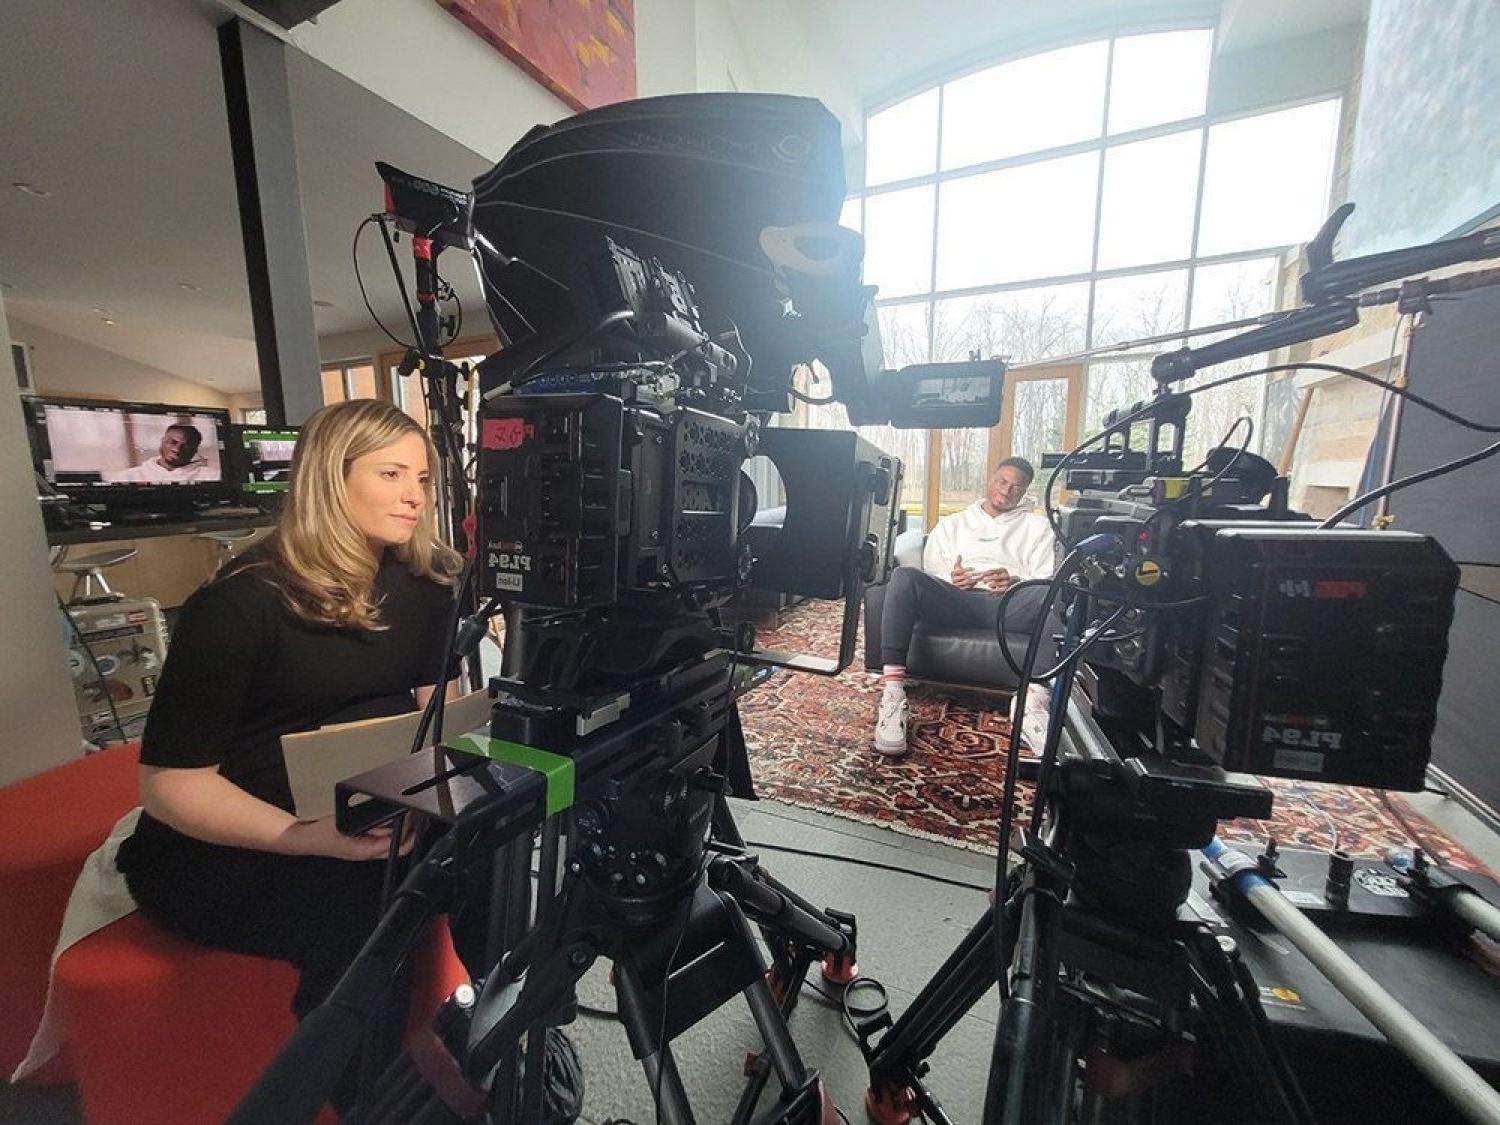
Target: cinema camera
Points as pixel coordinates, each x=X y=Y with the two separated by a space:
x=1209 y=636
x=658 y=271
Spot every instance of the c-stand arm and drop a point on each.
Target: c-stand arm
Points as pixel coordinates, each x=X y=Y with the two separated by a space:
x=1329 y=287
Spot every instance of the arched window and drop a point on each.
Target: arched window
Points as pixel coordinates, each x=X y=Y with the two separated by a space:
x=1072 y=198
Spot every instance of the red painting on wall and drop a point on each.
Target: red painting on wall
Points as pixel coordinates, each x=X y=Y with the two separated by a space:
x=581 y=50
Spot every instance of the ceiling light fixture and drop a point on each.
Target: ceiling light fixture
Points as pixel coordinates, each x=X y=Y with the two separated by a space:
x=30 y=189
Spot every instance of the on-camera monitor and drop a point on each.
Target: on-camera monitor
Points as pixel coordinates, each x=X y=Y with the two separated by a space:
x=268 y=459
x=97 y=445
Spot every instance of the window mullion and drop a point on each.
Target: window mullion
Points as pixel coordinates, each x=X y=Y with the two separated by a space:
x=1088 y=322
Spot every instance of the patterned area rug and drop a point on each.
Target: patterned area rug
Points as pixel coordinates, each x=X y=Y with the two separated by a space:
x=809 y=740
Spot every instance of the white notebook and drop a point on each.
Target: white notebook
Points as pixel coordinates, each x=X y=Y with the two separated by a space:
x=318 y=759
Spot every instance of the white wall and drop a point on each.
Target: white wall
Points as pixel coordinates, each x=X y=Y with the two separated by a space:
x=1324 y=62
x=65 y=366
x=782 y=60
x=418 y=57
x=666 y=47
x=366 y=343
x=723 y=63
x=36 y=693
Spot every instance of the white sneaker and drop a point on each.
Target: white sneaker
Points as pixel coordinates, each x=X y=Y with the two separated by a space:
x=1034 y=723
x=890 y=725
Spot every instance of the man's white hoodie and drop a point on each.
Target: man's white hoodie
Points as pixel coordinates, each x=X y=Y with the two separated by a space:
x=1019 y=540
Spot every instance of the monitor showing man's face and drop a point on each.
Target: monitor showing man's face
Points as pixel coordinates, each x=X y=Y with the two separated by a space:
x=179 y=445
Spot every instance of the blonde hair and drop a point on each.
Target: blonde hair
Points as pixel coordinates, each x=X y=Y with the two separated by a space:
x=319 y=559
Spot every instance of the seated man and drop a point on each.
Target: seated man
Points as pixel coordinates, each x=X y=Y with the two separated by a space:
x=970 y=559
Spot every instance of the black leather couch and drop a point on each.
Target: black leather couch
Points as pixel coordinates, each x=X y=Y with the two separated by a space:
x=964 y=657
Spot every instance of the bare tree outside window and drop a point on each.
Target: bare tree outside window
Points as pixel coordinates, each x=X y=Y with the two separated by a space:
x=1231 y=291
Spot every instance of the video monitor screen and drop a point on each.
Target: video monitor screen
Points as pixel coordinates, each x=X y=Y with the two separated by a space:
x=87 y=446
x=268 y=459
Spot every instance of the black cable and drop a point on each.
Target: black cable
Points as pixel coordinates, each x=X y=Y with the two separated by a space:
x=577 y=339
x=114 y=712
x=1238 y=453
x=360 y=281
x=411 y=313
x=1083 y=646
x=847 y=1010
x=1127 y=603
x=1415 y=478
x=1375 y=381
x=744 y=351
x=869 y=863
x=486 y=280
x=1223 y=441
x=1005 y=596
x=1013 y=758
x=597 y=1013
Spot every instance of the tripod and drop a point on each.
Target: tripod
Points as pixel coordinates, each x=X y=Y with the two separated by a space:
x=653 y=877
x=1098 y=1012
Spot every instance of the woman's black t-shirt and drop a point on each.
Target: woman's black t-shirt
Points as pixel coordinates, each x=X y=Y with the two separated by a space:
x=242 y=670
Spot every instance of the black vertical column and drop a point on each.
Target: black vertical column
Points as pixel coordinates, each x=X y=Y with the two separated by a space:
x=258 y=98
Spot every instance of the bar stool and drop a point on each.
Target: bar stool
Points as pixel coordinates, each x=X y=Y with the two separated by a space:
x=226 y=540
x=88 y=572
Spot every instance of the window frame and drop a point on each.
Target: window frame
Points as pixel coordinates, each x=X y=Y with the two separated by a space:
x=1100 y=144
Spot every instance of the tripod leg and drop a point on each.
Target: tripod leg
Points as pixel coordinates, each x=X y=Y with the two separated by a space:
x=773 y=1032
x=1231 y=1005
x=896 y=1061
x=661 y=1068
x=788 y=971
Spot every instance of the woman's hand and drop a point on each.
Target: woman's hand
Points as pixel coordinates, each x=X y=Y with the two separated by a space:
x=322 y=837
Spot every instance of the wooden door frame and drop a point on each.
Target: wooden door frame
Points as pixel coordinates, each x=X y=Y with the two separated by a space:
x=1002 y=433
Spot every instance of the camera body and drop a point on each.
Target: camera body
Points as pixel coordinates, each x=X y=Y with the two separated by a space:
x=1267 y=645
x=583 y=497
x=599 y=482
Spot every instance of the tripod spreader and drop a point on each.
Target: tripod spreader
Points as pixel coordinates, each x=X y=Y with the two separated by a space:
x=772 y=904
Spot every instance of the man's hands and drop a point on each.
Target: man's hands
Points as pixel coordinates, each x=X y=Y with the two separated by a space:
x=995 y=580
x=322 y=837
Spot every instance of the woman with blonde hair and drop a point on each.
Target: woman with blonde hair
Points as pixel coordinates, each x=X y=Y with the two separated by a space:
x=339 y=615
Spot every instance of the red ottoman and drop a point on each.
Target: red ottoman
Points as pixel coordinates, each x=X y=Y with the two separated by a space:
x=165 y=1032
x=48 y=826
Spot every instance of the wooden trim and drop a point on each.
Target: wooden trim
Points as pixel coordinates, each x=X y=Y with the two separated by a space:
x=1285 y=462
x=1073 y=422
x=1003 y=434
x=933 y=498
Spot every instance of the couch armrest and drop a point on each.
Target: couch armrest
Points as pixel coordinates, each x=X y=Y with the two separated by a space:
x=908 y=547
